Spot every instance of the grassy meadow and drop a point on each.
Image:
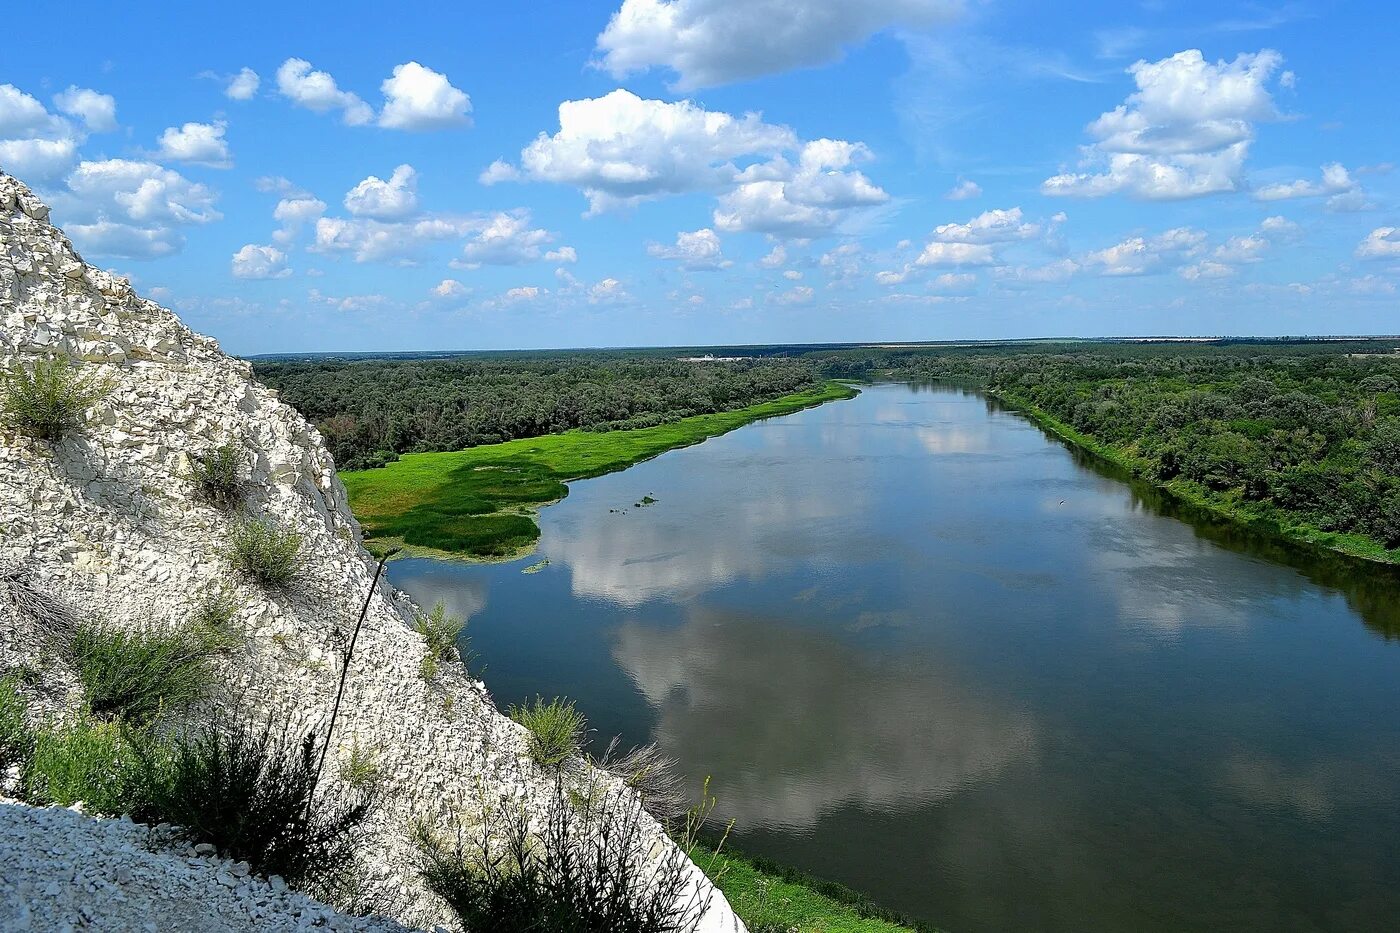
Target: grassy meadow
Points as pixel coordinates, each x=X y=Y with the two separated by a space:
x=480 y=502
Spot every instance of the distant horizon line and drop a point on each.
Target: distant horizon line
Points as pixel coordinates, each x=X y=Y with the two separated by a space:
x=863 y=344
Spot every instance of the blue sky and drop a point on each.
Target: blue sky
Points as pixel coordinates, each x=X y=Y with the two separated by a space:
x=655 y=172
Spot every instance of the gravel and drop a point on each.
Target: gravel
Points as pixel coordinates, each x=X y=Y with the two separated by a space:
x=63 y=871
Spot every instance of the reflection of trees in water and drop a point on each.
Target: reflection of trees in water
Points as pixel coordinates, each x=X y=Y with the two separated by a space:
x=794 y=721
x=1372 y=590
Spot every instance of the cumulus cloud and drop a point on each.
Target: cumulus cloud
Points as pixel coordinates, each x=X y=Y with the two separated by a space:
x=995 y=226
x=133 y=209
x=97 y=111
x=1145 y=255
x=964 y=190
x=450 y=288
x=562 y=254
x=418 y=98
x=1240 y=249
x=368 y=240
x=804 y=200
x=798 y=295
x=243 y=85
x=524 y=293
x=696 y=251
x=34 y=144
x=709 y=42
x=1380 y=243
x=1184 y=133
x=1342 y=190
x=294 y=213
x=1206 y=269
x=318 y=92
x=260 y=262
x=956 y=254
x=775 y=257
x=497 y=172
x=606 y=291
x=200 y=143
x=385 y=200
x=507 y=240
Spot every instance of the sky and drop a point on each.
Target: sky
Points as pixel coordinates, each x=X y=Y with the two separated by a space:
x=343 y=176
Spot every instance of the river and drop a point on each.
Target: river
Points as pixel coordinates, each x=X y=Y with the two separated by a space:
x=930 y=652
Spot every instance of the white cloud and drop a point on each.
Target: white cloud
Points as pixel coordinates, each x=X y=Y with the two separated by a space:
x=200 y=143
x=964 y=190
x=806 y=200
x=995 y=226
x=562 y=254
x=1145 y=255
x=1184 y=133
x=378 y=199
x=697 y=251
x=1380 y=243
x=243 y=85
x=294 y=213
x=775 y=258
x=1280 y=227
x=621 y=149
x=524 y=293
x=799 y=295
x=1344 y=191
x=709 y=42
x=450 y=288
x=953 y=282
x=34 y=144
x=497 y=172
x=507 y=240
x=378 y=241
x=418 y=98
x=317 y=91
x=792 y=275
x=956 y=254
x=260 y=262
x=350 y=302
x=97 y=111
x=606 y=291
x=1240 y=249
x=132 y=209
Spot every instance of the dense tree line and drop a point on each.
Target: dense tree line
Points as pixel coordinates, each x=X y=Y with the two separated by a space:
x=372 y=410
x=1307 y=428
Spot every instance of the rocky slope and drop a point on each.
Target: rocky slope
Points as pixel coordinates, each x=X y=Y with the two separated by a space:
x=108 y=521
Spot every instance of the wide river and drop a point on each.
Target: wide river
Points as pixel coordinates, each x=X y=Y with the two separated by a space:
x=926 y=650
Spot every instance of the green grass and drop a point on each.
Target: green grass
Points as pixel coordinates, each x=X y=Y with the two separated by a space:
x=1260 y=516
x=480 y=502
x=557 y=729
x=137 y=676
x=267 y=552
x=772 y=898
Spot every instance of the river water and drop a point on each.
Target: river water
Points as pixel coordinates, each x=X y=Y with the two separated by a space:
x=928 y=651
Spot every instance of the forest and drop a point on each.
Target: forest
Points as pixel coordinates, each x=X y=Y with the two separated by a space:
x=372 y=410
x=1299 y=435
x=1291 y=435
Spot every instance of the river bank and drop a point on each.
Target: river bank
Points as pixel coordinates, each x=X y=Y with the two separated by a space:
x=1258 y=516
x=480 y=503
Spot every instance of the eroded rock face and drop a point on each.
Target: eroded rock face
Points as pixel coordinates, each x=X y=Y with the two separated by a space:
x=109 y=520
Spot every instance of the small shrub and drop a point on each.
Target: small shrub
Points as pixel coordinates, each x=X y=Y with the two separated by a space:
x=219 y=476
x=16 y=738
x=253 y=795
x=359 y=767
x=98 y=763
x=216 y=617
x=268 y=553
x=428 y=668
x=557 y=729
x=653 y=775
x=440 y=631
x=135 y=676
x=48 y=401
x=587 y=871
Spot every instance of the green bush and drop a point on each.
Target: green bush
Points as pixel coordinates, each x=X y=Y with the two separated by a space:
x=586 y=871
x=48 y=401
x=98 y=763
x=253 y=795
x=440 y=631
x=16 y=738
x=267 y=552
x=136 y=675
x=219 y=476
x=557 y=729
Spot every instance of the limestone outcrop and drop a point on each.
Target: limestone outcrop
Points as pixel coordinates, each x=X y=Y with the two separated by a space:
x=109 y=521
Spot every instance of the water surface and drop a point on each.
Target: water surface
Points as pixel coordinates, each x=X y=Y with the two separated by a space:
x=927 y=651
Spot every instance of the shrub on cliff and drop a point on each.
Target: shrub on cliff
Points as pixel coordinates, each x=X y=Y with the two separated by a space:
x=47 y=401
x=134 y=676
x=253 y=794
x=219 y=475
x=557 y=729
x=98 y=763
x=440 y=631
x=588 y=870
x=268 y=553
x=16 y=739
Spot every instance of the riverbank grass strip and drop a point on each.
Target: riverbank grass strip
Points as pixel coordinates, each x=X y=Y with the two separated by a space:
x=480 y=502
